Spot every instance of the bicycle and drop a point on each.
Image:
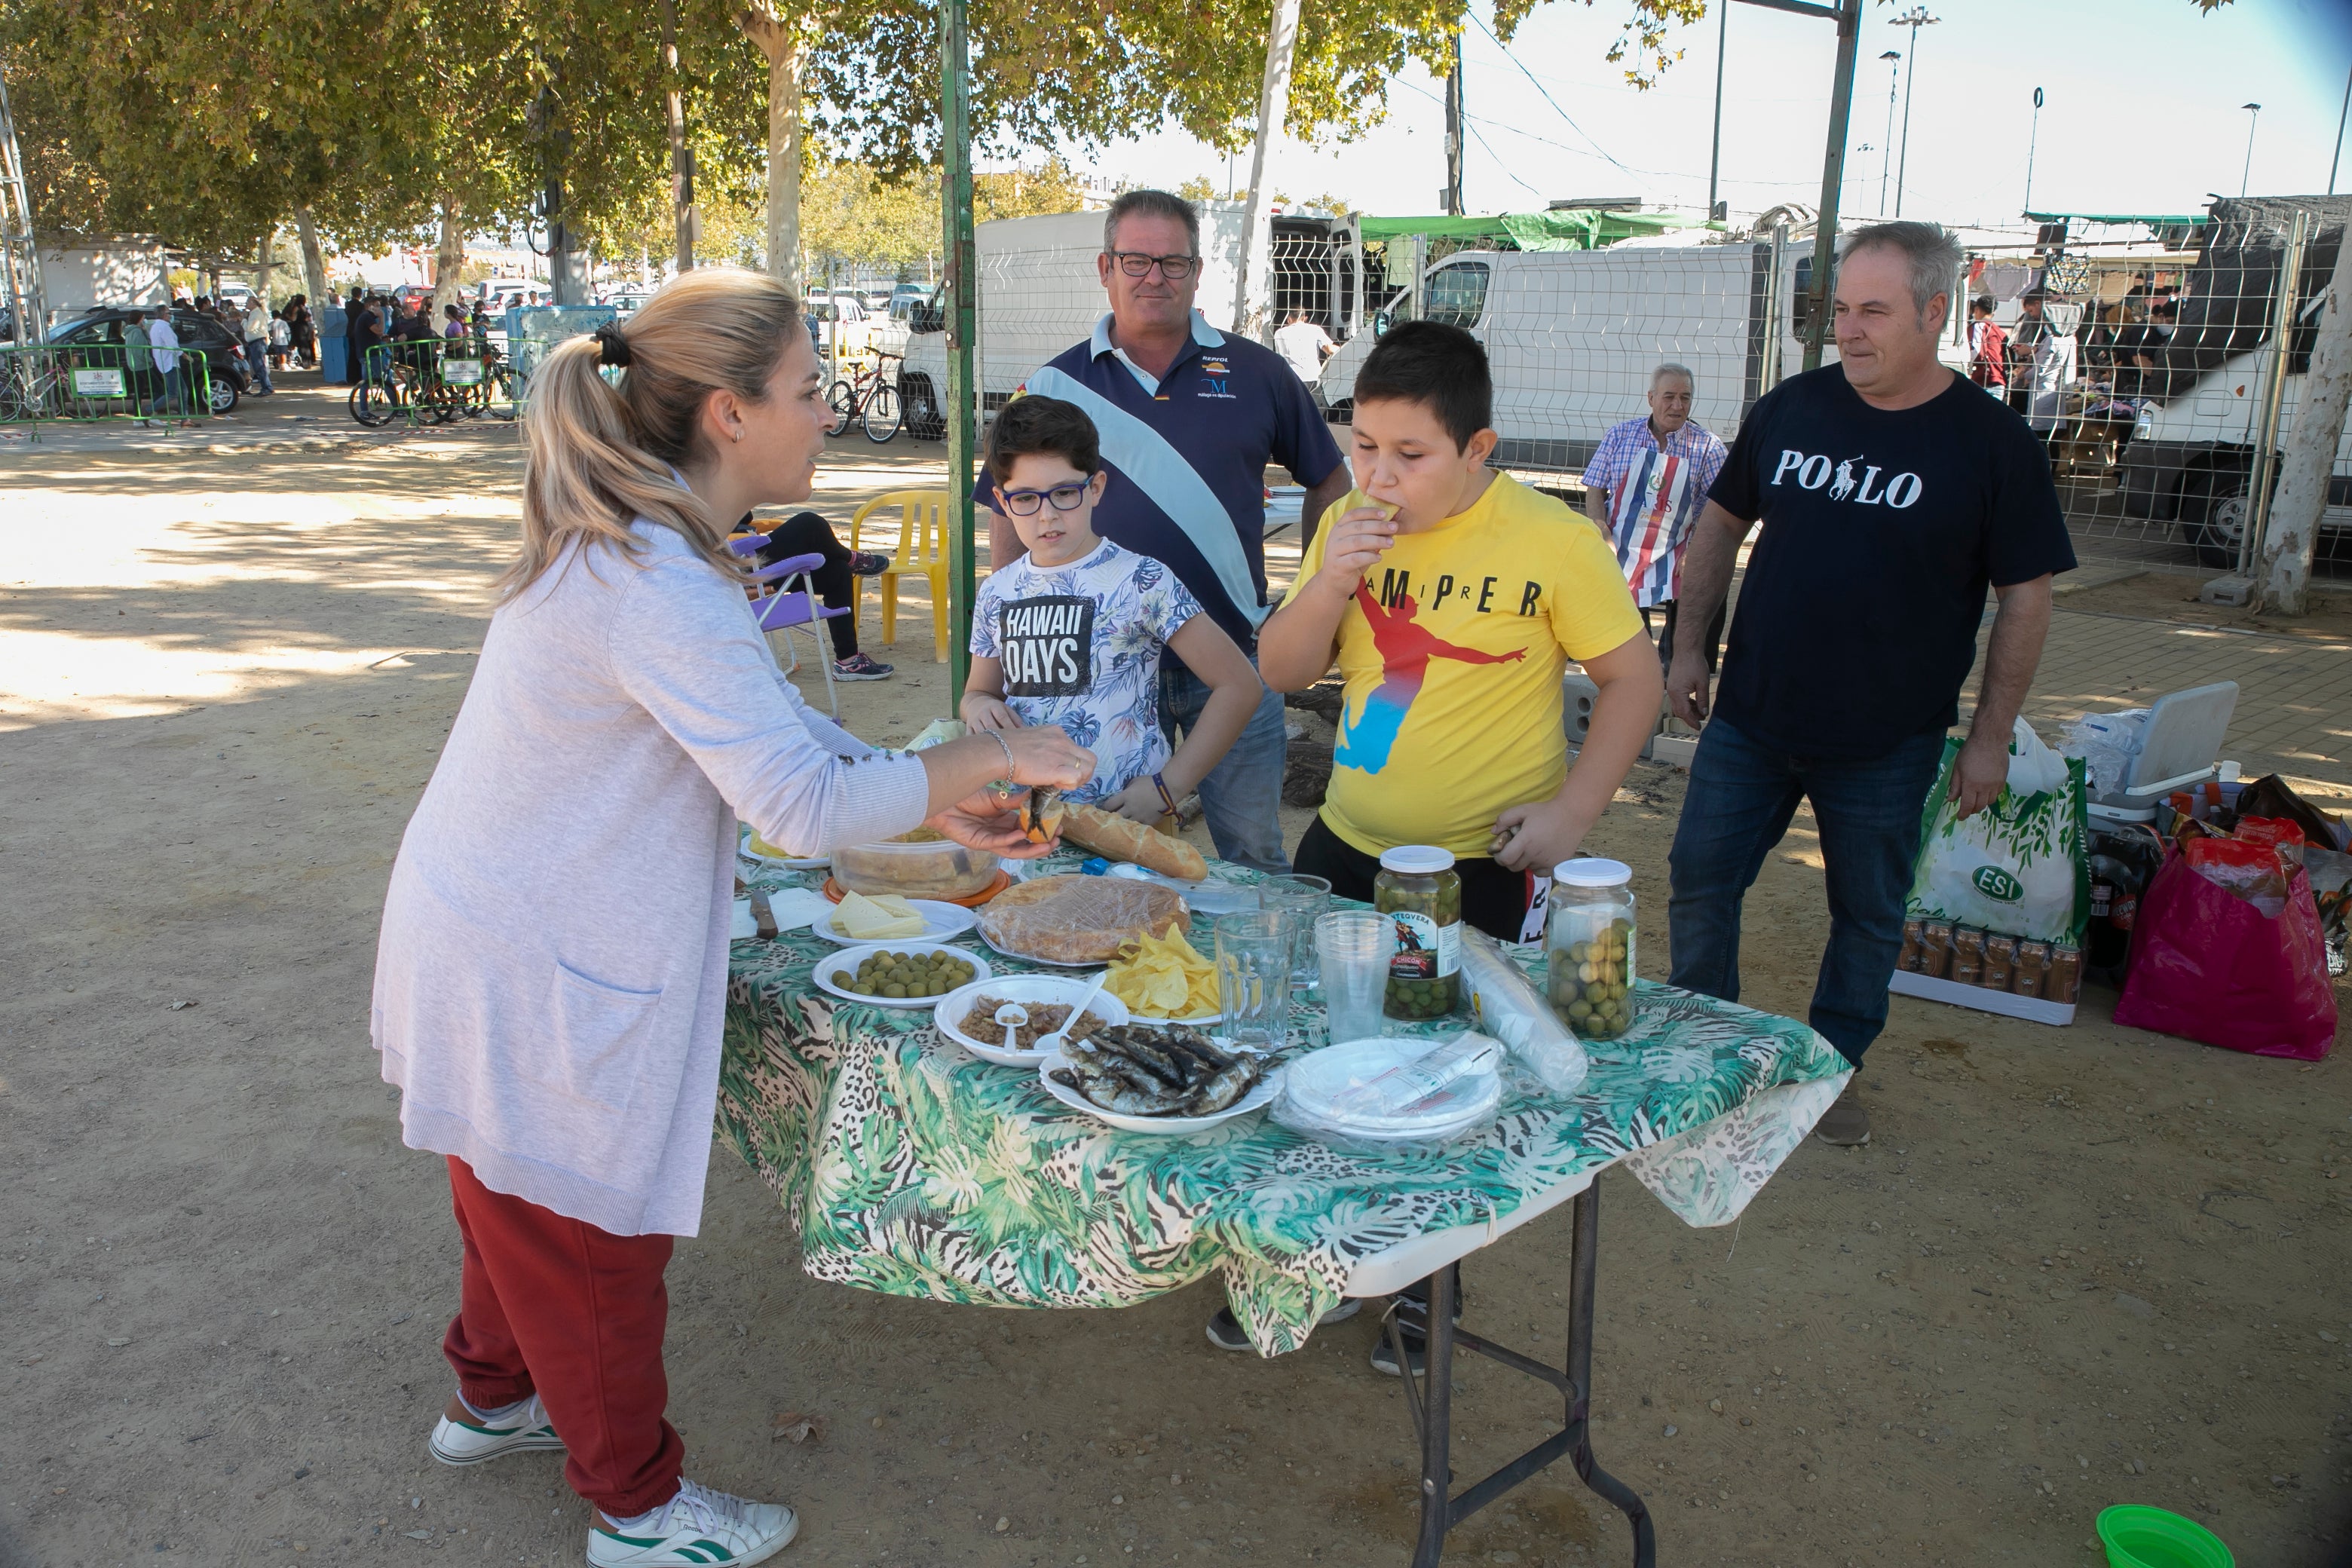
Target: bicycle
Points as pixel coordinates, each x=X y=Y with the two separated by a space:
x=386 y=389
x=873 y=397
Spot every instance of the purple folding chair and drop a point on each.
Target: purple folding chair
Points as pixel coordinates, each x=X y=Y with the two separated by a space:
x=793 y=604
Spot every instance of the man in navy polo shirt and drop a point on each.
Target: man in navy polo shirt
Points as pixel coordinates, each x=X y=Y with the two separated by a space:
x=1189 y=417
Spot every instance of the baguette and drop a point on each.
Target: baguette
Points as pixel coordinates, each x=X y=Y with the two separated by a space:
x=1119 y=838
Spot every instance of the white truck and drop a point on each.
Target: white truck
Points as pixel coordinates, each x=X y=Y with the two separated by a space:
x=1039 y=294
x=1572 y=336
x=2191 y=459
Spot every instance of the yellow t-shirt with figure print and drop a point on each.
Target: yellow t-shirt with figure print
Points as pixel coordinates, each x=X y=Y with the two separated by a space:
x=1452 y=653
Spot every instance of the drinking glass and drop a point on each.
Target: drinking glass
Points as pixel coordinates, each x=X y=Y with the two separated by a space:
x=1305 y=898
x=1254 y=977
x=1353 y=947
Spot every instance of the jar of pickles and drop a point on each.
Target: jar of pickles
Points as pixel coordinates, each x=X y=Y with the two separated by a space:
x=1420 y=892
x=1589 y=946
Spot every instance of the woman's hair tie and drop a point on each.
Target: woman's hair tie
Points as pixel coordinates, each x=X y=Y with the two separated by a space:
x=612 y=344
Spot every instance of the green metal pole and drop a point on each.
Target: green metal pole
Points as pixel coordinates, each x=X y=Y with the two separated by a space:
x=1818 y=330
x=962 y=318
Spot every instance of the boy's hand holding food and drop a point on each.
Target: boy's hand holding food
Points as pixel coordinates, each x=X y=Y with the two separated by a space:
x=1360 y=537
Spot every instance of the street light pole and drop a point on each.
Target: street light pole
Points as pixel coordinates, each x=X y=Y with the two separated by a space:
x=1914 y=18
x=1714 y=155
x=2033 y=138
x=2247 y=174
x=2341 y=115
x=1886 y=148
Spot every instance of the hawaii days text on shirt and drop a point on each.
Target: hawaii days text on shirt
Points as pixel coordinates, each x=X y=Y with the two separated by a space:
x=1047 y=644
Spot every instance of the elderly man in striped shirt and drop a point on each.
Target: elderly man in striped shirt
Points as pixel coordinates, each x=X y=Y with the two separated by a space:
x=1646 y=485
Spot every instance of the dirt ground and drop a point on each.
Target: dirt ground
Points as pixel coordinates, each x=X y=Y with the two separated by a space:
x=2074 y=1268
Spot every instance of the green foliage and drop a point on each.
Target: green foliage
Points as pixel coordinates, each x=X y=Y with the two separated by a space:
x=854 y=211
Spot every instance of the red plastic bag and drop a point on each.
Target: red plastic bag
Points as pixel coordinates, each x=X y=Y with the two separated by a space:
x=2207 y=965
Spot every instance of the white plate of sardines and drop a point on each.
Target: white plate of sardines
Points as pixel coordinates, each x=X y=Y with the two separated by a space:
x=1165 y=1078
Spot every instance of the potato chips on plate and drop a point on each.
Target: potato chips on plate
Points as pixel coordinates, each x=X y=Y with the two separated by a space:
x=1163 y=979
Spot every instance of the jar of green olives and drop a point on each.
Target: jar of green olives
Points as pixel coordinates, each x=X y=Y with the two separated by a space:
x=1420 y=892
x=1589 y=946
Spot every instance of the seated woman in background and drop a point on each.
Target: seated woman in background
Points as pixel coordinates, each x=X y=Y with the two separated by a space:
x=808 y=533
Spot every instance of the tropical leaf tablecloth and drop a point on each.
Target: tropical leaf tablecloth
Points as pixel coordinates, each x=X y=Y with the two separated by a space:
x=913 y=1169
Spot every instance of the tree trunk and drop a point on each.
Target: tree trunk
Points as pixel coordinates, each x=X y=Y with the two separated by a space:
x=2310 y=457
x=780 y=41
x=1273 y=109
x=449 y=260
x=314 y=260
x=265 y=252
x=681 y=161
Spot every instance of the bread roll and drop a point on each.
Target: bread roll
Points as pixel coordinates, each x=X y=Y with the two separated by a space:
x=1119 y=838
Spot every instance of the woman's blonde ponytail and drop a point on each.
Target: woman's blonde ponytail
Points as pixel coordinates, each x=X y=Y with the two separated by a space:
x=601 y=455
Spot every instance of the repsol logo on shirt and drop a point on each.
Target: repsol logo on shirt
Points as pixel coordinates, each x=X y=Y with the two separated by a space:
x=1854 y=478
x=1047 y=646
x=1481 y=592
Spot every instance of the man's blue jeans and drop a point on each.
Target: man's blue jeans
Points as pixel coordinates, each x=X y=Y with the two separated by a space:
x=257 y=361
x=1242 y=796
x=1742 y=796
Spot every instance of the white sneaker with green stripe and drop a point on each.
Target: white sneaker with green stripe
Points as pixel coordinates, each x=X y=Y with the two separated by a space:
x=471 y=1442
x=698 y=1525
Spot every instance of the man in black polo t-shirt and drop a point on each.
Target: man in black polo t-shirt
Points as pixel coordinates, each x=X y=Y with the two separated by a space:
x=1891 y=492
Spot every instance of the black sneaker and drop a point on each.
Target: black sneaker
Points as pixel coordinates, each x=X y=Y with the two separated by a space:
x=1412 y=1311
x=858 y=666
x=866 y=564
x=1416 y=1353
x=1225 y=1329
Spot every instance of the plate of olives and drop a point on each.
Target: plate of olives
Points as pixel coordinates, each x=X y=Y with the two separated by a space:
x=898 y=974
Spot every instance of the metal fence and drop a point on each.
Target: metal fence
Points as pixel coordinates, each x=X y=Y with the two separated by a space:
x=86 y=382
x=435 y=381
x=2162 y=362
x=2165 y=369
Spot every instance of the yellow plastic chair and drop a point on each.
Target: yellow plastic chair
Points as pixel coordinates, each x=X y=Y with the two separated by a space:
x=922 y=552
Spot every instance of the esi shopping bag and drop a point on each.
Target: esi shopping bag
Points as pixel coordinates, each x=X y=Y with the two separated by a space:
x=2209 y=964
x=2020 y=866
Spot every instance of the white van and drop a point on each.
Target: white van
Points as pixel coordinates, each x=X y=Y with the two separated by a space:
x=1572 y=336
x=2191 y=459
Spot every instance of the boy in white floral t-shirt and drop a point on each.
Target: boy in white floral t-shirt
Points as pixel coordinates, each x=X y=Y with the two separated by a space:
x=1070 y=633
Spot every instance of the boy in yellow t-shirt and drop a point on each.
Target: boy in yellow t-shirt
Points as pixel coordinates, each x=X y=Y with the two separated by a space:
x=1451 y=597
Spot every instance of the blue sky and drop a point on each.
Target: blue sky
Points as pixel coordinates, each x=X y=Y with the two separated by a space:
x=2141 y=113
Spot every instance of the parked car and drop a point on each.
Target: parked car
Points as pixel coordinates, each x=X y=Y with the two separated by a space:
x=840 y=318
x=197 y=334
x=498 y=295
x=628 y=301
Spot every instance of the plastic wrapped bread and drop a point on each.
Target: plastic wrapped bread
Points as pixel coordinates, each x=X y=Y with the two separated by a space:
x=1078 y=920
x=1508 y=1007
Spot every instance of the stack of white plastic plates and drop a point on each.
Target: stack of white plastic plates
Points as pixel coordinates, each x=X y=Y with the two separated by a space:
x=1315 y=1081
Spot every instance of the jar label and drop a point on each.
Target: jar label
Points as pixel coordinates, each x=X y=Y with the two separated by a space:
x=1425 y=950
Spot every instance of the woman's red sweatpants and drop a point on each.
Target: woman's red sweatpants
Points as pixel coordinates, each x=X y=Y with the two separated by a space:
x=557 y=1308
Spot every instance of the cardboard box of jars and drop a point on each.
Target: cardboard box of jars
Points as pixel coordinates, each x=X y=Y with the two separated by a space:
x=1989 y=971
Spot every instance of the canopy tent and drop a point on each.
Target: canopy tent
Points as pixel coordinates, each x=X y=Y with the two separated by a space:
x=2154 y=220
x=1575 y=228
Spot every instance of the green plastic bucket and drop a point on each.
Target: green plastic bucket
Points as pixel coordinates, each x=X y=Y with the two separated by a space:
x=2137 y=1537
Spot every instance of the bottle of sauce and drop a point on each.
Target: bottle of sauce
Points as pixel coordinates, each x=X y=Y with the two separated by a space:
x=1420 y=892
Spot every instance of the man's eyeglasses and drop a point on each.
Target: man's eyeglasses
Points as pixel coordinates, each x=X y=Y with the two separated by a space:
x=1136 y=263
x=1025 y=504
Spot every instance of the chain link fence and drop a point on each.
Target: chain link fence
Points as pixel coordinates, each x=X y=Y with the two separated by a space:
x=2164 y=365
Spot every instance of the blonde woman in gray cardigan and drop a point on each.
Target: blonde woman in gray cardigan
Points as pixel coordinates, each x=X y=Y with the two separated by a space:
x=554 y=961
